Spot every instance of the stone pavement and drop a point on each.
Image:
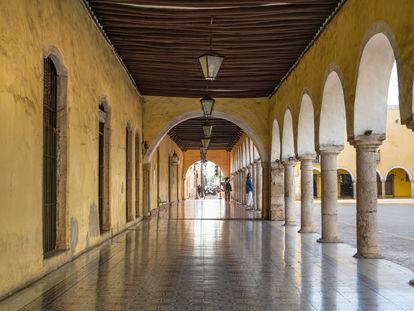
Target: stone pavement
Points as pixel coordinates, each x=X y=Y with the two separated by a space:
x=174 y=263
x=395 y=226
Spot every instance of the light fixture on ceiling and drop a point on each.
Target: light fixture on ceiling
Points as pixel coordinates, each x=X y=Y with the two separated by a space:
x=210 y=64
x=207 y=129
x=211 y=61
x=207 y=105
x=205 y=142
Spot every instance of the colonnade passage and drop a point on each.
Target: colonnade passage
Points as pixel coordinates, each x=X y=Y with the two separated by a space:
x=111 y=111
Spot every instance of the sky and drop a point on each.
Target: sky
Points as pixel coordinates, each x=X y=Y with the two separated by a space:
x=393 y=87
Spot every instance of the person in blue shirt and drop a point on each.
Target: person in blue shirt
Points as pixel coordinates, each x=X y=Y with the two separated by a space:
x=249 y=192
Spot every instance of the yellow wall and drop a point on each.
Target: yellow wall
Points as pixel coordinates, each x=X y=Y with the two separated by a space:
x=402 y=187
x=28 y=29
x=165 y=149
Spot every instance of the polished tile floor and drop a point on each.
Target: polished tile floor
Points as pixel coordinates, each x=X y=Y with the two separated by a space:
x=182 y=262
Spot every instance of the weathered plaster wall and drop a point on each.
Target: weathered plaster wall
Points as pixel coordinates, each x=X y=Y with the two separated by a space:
x=29 y=28
x=339 y=48
x=163 y=113
x=219 y=157
x=166 y=173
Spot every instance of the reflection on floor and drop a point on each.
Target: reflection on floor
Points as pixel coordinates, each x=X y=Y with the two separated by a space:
x=194 y=264
x=210 y=209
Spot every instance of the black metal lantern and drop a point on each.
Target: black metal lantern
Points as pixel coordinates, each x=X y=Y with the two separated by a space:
x=210 y=64
x=207 y=129
x=207 y=105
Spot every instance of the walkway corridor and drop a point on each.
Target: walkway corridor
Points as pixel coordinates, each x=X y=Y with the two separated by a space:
x=195 y=264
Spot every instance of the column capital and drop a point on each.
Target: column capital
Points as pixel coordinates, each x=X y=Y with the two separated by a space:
x=276 y=164
x=307 y=157
x=367 y=142
x=330 y=149
x=289 y=162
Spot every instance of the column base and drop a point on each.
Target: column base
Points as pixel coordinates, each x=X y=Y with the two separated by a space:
x=368 y=256
x=330 y=240
x=289 y=223
x=306 y=230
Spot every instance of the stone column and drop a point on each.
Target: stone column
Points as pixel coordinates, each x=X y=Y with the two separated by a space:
x=366 y=153
x=329 y=226
x=354 y=188
x=290 y=219
x=265 y=191
x=146 y=174
x=254 y=179
x=306 y=186
x=383 y=188
x=277 y=199
x=243 y=186
x=259 y=185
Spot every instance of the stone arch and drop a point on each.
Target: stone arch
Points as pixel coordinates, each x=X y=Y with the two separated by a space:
x=410 y=176
x=306 y=127
x=399 y=184
x=333 y=115
x=374 y=73
x=346 y=170
x=196 y=113
x=288 y=145
x=275 y=153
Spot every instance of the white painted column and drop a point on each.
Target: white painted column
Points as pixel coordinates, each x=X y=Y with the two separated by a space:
x=277 y=199
x=290 y=219
x=366 y=151
x=329 y=217
x=259 y=185
x=383 y=188
x=306 y=183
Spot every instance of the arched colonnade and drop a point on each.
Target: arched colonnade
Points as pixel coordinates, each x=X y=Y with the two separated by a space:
x=310 y=128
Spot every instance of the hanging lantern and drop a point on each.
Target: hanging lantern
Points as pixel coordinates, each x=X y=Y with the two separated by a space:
x=205 y=142
x=175 y=160
x=207 y=129
x=207 y=105
x=210 y=64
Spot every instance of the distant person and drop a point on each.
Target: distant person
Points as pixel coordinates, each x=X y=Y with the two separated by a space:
x=249 y=192
x=227 y=189
x=199 y=190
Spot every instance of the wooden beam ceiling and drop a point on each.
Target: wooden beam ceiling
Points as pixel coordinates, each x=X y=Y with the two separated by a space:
x=188 y=134
x=160 y=41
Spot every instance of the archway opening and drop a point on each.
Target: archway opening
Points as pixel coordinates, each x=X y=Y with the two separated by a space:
x=317 y=184
x=398 y=184
x=345 y=184
x=203 y=174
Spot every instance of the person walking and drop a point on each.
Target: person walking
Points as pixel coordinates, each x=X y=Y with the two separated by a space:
x=249 y=192
x=227 y=189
